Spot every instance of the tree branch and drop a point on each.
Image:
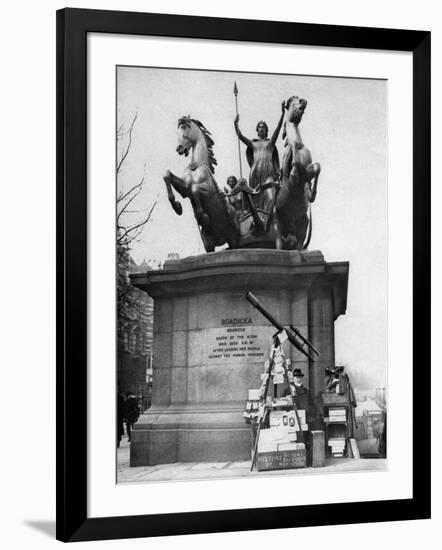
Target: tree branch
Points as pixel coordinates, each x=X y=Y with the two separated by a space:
x=134 y=196
x=125 y=195
x=122 y=239
x=126 y=152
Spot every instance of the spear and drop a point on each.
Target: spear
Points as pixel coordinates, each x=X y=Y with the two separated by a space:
x=235 y=91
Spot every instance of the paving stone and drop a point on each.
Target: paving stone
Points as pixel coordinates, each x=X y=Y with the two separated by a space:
x=210 y=466
x=183 y=471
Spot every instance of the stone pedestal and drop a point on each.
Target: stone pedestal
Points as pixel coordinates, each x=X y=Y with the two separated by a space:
x=210 y=345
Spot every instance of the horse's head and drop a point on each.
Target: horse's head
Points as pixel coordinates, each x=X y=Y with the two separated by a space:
x=187 y=135
x=191 y=132
x=295 y=109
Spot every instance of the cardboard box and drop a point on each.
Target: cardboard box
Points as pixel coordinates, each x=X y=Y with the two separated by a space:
x=267 y=441
x=275 y=433
x=280 y=433
x=291 y=446
x=267 y=447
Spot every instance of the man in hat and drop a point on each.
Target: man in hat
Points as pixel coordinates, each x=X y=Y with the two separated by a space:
x=303 y=399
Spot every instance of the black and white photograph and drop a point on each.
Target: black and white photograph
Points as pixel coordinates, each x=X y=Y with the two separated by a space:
x=220 y=275
x=251 y=276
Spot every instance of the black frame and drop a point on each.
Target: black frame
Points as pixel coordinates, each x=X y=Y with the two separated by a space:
x=72 y=28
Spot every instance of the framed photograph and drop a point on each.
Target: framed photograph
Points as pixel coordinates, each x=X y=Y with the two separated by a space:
x=243 y=275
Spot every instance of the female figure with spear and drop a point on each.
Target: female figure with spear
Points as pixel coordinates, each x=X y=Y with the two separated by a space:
x=262 y=155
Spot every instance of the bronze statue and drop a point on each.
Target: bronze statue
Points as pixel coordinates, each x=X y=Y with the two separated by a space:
x=261 y=153
x=213 y=212
x=235 y=199
x=298 y=182
x=262 y=157
x=250 y=220
x=272 y=210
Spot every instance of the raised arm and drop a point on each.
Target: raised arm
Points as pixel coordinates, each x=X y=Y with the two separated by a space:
x=243 y=138
x=278 y=127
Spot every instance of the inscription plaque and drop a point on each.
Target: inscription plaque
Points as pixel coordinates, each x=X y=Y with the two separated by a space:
x=281 y=460
x=237 y=341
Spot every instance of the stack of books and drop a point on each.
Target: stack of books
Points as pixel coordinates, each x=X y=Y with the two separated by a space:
x=337 y=414
x=337 y=446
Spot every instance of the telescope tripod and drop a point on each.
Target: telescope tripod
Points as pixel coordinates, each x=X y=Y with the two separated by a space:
x=276 y=348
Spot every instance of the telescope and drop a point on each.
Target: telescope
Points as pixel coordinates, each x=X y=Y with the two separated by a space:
x=293 y=334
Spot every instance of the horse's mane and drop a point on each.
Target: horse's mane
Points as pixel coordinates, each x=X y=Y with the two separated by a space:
x=185 y=121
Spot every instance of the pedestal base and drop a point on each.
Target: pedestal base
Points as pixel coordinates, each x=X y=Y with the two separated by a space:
x=190 y=435
x=210 y=345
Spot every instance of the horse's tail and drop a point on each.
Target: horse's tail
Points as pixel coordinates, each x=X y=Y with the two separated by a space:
x=309 y=231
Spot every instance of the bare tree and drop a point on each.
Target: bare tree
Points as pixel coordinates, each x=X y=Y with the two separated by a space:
x=127 y=232
x=130 y=225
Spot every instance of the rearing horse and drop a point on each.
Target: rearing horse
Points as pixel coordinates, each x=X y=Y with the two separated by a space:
x=298 y=182
x=213 y=212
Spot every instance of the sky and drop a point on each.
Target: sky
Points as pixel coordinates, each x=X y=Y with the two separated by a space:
x=344 y=126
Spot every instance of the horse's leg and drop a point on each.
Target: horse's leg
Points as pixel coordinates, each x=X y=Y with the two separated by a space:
x=232 y=224
x=313 y=171
x=286 y=164
x=277 y=232
x=201 y=216
x=301 y=231
x=289 y=242
x=208 y=241
x=179 y=185
x=295 y=172
x=268 y=203
x=278 y=241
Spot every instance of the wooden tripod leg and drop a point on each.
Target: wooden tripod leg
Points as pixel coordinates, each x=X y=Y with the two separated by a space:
x=255 y=447
x=266 y=391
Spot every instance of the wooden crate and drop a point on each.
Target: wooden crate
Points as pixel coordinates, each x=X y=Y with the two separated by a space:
x=317 y=448
x=281 y=460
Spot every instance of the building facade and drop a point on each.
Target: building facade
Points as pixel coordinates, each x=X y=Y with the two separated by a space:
x=135 y=328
